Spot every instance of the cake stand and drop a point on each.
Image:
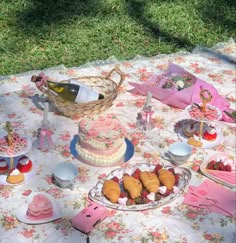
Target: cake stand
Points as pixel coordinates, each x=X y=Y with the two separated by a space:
x=203 y=123
x=13 y=154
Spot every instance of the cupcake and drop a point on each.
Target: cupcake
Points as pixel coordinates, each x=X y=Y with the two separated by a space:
x=24 y=165
x=15 y=176
x=3 y=166
x=210 y=133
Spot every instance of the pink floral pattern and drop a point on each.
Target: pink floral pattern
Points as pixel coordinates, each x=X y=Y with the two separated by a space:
x=174 y=222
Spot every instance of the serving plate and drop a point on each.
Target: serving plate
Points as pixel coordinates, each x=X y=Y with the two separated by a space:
x=222 y=177
x=95 y=194
x=21 y=211
x=219 y=113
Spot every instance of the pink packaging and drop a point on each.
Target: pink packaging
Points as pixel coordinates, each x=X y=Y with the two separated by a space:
x=184 y=97
x=89 y=217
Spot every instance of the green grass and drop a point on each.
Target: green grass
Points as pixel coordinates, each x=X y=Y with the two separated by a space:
x=37 y=34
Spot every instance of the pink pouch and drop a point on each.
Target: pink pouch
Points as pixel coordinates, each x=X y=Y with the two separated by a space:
x=89 y=217
x=184 y=97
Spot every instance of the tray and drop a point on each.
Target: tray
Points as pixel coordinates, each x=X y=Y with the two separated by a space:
x=95 y=194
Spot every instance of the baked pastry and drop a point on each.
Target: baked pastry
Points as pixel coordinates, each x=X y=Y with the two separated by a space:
x=166 y=178
x=150 y=181
x=189 y=129
x=15 y=176
x=24 y=165
x=133 y=186
x=194 y=141
x=210 y=133
x=111 y=190
x=3 y=166
x=40 y=208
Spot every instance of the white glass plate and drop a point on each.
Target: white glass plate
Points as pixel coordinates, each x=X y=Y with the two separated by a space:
x=213 y=177
x=95 y=194
x=21 y=211
x=219 y=114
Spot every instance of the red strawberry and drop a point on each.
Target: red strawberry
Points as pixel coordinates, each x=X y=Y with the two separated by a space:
x=136 y=173
x=228 y=168
x=172 y=170
x=144 y=194
x=115 y=178
x=123 y=194
x=176 y=179
x=216 y=166
x=211 y=165
x=167 y=193
x=157 y=168
x=221 y=166
x=130 y=201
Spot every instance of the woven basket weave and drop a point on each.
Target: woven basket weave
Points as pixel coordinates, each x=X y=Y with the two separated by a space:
x=103 y=85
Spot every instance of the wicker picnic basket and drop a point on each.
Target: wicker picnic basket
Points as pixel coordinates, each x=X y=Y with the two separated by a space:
x=103 y=85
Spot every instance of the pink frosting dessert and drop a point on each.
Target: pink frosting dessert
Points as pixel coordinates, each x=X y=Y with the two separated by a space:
x=210 y=114
x=40 y=208
x=101 y=140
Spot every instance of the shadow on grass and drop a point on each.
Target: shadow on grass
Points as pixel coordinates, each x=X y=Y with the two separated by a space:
x=136 y=11
x=41 y=14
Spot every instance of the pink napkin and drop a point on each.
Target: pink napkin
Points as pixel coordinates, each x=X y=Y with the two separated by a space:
x=229 y=177
x=184 y=97
x=212 y=196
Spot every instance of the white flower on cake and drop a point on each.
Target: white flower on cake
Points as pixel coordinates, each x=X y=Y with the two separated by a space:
x=162 y=189
x=15 y=172
x=151 y=196
x=122 y=200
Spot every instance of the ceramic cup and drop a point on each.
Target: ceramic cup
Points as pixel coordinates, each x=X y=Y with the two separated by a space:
x=179 y=152
x=65 y=174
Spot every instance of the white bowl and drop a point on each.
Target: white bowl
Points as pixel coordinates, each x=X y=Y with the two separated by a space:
x=179 y=152
x=65 y=174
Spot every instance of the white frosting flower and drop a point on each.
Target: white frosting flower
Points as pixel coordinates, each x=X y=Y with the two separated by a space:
x=151 y=196
x=162 y=189
x=24 y=161
x=122 y=200
x=15 y=172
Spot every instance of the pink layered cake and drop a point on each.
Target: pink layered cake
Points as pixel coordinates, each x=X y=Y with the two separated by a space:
x=24 y=165
x=101 y=141
x=40 y=208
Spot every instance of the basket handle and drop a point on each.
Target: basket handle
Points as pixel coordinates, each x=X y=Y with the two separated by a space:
x=117 y=70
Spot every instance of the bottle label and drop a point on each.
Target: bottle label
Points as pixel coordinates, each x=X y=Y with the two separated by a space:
x=85 y=93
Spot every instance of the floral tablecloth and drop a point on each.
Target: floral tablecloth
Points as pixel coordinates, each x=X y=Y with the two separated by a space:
x=174 y=222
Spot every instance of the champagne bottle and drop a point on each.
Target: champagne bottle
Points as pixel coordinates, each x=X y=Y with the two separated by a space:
x=74 y=92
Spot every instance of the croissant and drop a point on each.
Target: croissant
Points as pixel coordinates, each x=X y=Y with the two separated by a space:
x=166 y=178
x=133 y=186
x=111 y=190
x=150 y=181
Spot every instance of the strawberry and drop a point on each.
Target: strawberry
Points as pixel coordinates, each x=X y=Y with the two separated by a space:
x=115 y=178
x=172 y=170
x=139 y=200
x=136 y=174
x=211 y=165
x=228 y=168
x=130 y=201
x=144 y=194
x=176 y=179
x=157 y=168
x=216 y=166
x=221 y=166
x=123 y=194
x=167 y=193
